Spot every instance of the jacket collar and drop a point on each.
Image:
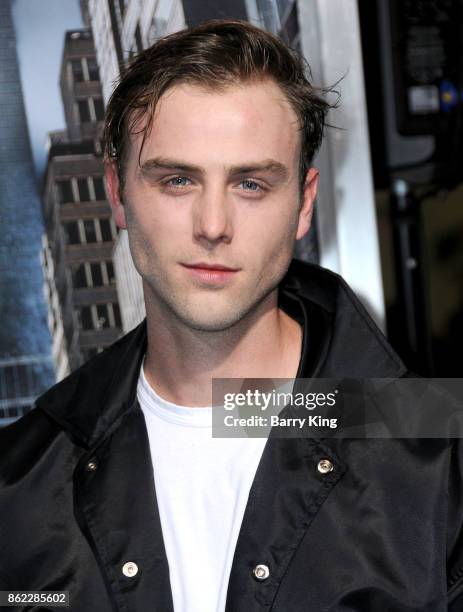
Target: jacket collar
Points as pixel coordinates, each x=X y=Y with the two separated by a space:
x=339 y=339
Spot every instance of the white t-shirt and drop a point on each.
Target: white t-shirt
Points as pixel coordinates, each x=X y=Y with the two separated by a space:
x=202 y=487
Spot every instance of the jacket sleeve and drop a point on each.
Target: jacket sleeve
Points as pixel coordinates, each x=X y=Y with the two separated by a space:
x=455 y=529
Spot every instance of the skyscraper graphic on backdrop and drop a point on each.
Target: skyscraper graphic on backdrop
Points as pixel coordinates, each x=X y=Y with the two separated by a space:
x=80 y=230
x=26 y=367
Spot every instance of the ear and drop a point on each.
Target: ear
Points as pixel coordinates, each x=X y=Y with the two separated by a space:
x=114 y=194
x=308 y=200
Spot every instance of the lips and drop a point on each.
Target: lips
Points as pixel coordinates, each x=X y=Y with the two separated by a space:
x=210 y=274
x=206 y=266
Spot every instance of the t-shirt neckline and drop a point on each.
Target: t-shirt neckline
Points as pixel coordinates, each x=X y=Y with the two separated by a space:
x=191 y=416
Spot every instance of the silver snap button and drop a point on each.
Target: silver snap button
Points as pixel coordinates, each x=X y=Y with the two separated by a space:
x=130 y=569
x=91 y=466
x=324 y=466
x=261 y=572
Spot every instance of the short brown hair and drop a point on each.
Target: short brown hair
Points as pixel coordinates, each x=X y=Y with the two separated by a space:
x=214 y=54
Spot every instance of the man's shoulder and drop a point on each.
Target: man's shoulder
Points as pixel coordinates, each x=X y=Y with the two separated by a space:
x=100 y=367
x=68 y=405
x=330 y=291
x=313 y=281
x=33 y=432
x=355 y=344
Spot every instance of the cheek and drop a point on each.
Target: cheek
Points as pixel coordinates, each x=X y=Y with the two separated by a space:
x=272 y=232
x=156 y=219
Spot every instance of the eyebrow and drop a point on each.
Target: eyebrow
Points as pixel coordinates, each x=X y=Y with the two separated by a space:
x=279 y=170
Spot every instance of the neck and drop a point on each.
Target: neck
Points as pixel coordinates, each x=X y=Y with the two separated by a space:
x=181 y=362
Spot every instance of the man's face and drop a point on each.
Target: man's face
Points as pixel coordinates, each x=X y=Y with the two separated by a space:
x=217 y=185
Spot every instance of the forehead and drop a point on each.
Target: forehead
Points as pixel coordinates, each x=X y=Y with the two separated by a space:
x=253 y=120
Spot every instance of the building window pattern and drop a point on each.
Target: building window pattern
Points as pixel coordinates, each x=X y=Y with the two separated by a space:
x=89 y=109
x=83 y=69
x=71 y=232
x=85 y=318
x=80 y=189
x=99 y=188
x=77 y=70
x=21 y=381
x=98 y=316
x=79 y=276
x=64 y=192
x=92 y=69
x=93 y=274
x=83 y=189
x=89 y=231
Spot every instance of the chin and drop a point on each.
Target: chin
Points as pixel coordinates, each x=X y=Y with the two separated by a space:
x=210 y=324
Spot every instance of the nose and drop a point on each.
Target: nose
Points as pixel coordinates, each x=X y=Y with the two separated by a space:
x=212 y=221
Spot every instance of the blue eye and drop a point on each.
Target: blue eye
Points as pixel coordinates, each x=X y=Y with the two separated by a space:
x=176 y=182
x=253 y=184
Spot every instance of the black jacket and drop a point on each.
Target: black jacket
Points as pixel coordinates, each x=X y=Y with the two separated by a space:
x=381 y=532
